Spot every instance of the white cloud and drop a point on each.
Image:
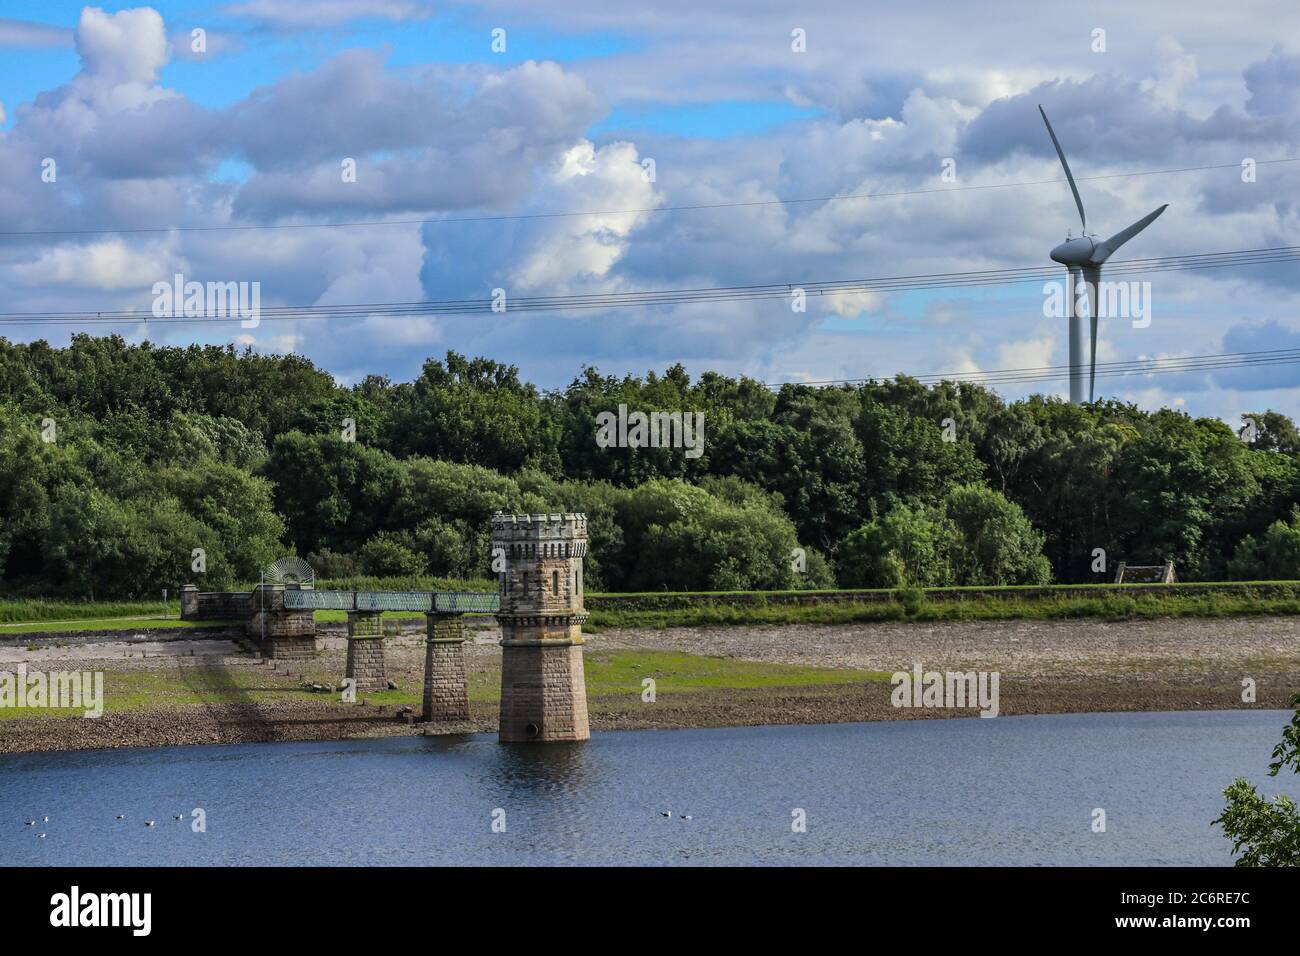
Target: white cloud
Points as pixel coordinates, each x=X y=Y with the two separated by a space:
x=128 y=48
x=850 y=305
x=1033 y=352
x=1177 y=69
x=481 y=139
x=405 y=331
x=108 y=264
x=580 y=251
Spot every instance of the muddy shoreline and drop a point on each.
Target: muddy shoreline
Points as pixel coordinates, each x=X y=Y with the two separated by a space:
x=1045 y=668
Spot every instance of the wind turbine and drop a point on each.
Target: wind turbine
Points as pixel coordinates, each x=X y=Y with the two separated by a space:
x=1084 y=257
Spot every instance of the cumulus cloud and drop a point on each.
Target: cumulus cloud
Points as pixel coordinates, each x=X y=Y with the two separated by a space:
x=139 y=155
x=464 y=141
x=111 y=264
x=121 y=49
x=1177 y=69
x=1274 y=84
x=432 y=138
x=576 y=252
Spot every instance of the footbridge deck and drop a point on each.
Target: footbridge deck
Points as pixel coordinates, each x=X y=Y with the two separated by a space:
x=439 y=602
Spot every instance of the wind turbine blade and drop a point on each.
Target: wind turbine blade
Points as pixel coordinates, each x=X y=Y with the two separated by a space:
x=1104 y=250
x=1068 y=175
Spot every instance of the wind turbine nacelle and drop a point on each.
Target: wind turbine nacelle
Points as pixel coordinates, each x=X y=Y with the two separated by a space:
x=1075 y=252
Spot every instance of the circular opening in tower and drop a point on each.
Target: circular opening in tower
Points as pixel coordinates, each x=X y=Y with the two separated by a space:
x=531 y=730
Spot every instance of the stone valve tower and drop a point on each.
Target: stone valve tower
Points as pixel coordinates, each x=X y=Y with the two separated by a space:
x=543 y=687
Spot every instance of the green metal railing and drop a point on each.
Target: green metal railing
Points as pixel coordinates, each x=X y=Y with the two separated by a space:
x=466 y=602
x=444 y=602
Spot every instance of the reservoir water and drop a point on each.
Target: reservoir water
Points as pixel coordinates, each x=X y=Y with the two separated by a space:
x=1011 y=790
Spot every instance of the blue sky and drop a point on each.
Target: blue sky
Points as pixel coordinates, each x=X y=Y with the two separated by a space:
x=253 y=130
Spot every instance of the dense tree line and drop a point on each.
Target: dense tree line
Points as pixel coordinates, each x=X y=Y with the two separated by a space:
x=118 y=460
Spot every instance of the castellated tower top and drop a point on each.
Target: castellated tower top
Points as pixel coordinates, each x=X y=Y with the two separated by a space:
x=538 y=527
x=531 y=537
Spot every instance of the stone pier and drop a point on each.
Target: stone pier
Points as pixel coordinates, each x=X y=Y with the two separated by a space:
x=282 y=633
x=366 y=651
x=189 y=602
x=543 y=685
x=446 y=697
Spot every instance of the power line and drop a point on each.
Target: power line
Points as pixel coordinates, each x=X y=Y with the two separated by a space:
x=669 y=297
x=691 y=207
x=1046 y=373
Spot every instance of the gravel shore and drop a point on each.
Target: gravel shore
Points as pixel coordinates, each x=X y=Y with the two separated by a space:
x=1083 y=647
x=1045 y=667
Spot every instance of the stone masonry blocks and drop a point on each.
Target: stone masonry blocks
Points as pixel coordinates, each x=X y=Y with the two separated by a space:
x=543 y=693
x=366 y=651
x=543 y=686
x=283 y=634
x=446 y=695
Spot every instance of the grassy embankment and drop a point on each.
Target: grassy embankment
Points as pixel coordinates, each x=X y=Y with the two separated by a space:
x=655 y=610
x=30 y=616
x=613 y=674
x=945 y=604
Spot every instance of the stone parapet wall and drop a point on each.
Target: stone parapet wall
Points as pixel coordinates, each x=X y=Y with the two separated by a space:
x=199 y=605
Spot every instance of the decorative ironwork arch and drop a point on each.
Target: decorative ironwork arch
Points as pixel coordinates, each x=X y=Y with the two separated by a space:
x=290 y=571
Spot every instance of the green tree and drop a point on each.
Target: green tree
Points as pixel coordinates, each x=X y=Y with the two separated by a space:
x=910 y=458
x=327 y=415
x=591 y=395
x=1273 y=556
x=436 y=457
x=388 y=554
x=102 y=546
x=818 y=573
x=993 y=542
x=450 y=548
x=911 y=544
x=1264 y=833
x=474 y=411
x=808 y=452
x=679 y=537
x=334 y=494
x=1273 y=431
x=975 y=536
x=242 y=531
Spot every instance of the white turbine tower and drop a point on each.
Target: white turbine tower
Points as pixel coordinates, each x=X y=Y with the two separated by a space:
x=1083 y=257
